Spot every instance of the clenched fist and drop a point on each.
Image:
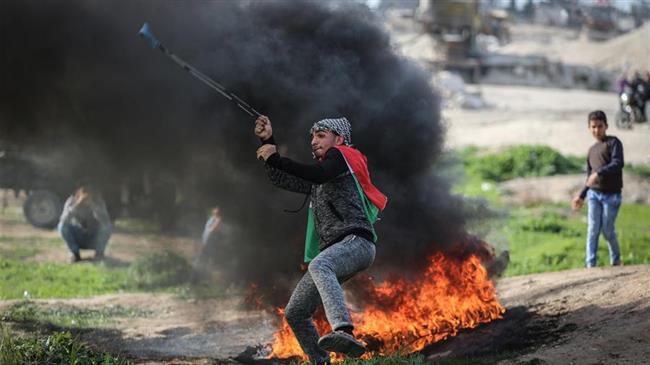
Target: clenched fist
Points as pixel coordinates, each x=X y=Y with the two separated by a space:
x=265 y=151
x=263 y=127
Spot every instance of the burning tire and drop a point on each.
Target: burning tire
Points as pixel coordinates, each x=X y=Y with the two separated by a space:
x=42 y=209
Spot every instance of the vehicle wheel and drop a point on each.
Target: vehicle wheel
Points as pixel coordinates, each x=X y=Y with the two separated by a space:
x=636 y=117
x=42 y=209
x=623 y=120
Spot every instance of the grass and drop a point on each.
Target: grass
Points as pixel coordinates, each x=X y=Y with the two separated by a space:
x=641 y=170
x=479 y=172
x=547 y=237
x=23 y=279
x=69 y=316
x=550 y=237
x=518 y=161
x=166 y=271
x=19 y=248
x=160 y=270
x=57 y=348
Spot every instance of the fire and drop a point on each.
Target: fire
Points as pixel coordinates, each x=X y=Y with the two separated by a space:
x=406 y=316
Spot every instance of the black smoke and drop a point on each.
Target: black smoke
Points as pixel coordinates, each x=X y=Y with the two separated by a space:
x=75 y=75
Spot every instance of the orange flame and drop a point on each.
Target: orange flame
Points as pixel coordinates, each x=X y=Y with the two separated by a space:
x=406 y=316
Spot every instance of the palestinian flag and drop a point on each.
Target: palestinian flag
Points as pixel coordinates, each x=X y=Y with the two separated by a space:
x=372 y=199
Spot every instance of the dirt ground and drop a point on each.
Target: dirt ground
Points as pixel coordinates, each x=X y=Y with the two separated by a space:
x=534 y=115
x=562 y=188
x=597 y=316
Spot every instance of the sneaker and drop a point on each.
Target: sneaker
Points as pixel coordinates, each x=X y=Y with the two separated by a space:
x=75 y=257
x=341 y=342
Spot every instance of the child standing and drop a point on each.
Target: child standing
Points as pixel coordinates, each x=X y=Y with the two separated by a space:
x=602 y=189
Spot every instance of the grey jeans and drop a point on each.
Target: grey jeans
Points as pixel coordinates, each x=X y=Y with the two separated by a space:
x=322 y=283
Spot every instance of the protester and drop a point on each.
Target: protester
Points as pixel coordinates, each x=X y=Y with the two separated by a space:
x=85 y=223
x=340 y=240
x=602 y=189
x=211 y=238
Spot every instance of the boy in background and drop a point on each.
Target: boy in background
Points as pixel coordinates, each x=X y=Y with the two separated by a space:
x=602 y=189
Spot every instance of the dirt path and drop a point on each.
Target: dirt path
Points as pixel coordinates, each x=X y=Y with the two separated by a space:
x=597 y=316
x=532 y=115
x=605 y=314
x=562 y=188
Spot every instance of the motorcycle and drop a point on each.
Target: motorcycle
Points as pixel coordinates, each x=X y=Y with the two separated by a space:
x=631 y=108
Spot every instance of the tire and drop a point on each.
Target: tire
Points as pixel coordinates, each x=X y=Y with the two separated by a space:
x=42 y=209
x=623 y=120
x=637 y=116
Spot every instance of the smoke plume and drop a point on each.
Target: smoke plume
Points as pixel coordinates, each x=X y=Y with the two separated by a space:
x=76 y=76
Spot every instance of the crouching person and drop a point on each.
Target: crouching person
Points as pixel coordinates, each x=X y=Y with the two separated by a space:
x=85 y=223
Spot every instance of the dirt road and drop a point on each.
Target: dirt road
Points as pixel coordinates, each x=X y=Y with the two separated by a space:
x=596 y=316
x=534 y=115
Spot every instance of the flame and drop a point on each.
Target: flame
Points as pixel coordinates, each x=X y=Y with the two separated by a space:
x=405 y=316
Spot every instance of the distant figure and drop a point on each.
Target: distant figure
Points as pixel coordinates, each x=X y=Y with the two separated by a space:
x=211 y=226
x=622 y=83
x=211 y=237
x=602 y=189
x=85 y=223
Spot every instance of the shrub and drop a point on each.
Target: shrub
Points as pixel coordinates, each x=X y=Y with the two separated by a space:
x=520 y=161
x=58 y=348
x=160 y=270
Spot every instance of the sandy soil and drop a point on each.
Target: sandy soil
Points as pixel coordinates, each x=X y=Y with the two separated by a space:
x=629 y=51
x=597 y=316
x=532 y=115
x=603 y=315
x=562 y=188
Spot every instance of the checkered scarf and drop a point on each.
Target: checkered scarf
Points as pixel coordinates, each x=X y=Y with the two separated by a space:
x=340 y=126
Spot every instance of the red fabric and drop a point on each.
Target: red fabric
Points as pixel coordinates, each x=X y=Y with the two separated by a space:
x=359 y=165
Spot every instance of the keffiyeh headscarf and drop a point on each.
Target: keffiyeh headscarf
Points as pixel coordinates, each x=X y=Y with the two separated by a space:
x=340 y=126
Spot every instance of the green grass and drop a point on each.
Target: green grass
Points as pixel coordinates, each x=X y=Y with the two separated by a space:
x=136 y=225
x=20 y=279
x=19 y=248
x=12 y=215
x=69 y=316
x=158 y=270
x=166 y=271
x=58 y=348
x=549 y=237
x=545 y=237
x=479 y=172
x=641 y=170
x=518 y=161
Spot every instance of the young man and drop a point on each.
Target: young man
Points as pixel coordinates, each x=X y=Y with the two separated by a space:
x=602 y=189
x=340 y=235
x=85 y=223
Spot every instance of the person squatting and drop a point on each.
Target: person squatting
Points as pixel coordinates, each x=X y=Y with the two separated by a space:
x=85 y=223
x=340 y=239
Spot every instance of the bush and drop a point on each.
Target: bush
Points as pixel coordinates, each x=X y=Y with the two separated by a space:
x=520 y=161
x=549 y=223
x=160 y=270
x=641 y=170
x=58 y=348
